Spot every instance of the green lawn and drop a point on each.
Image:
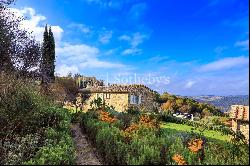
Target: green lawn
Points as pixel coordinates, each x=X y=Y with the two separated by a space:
x=185 y=128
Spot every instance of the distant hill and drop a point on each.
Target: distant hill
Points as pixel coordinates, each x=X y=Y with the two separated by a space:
x=223 y=102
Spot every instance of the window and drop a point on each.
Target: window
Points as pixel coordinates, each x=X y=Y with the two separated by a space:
x=135 y=99
x=99 y=95
x=107 y=95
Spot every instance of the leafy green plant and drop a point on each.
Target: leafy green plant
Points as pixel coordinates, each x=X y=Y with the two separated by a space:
x=33 y=126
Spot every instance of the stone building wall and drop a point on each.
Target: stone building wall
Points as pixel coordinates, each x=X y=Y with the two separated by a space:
x=86 y=105
x=241 y=126
x=119 y=96
x=118 y=100
x=240 y=119
x=147 y=99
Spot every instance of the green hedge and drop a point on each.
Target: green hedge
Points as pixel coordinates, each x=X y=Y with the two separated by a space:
x=153 y=147
x=58 y=146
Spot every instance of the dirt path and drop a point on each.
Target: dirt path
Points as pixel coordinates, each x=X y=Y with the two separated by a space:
x=85 y=153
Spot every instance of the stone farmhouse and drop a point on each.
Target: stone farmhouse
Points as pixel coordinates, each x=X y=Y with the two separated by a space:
x=240 y=119
x=121 y=97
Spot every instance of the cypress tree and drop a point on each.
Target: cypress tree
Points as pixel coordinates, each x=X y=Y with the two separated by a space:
x=48 y=56
x=45 y=53
x=52 y=55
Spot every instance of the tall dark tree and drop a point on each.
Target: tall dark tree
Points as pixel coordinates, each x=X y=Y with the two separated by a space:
x=48 y=56
x=52 y=54
x=45 y=54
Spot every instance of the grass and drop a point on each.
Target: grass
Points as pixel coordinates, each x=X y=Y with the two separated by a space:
x=185 y=128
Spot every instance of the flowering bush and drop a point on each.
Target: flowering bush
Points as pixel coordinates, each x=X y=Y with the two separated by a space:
x=148 y=122
x=143 y=143
x=106 y=117
x=195 y=145
x=179 y=159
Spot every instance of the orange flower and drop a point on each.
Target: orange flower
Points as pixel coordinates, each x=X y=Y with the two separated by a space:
x=195 y=145
x=129 y=131
x=105 y=117
x=179 y=159
x=148 y=122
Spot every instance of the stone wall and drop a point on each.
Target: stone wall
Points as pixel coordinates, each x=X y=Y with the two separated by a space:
x=119 y=96
x=241 y=126
x=240 y=119
x=239 y=112
x=244 y=128
x=118 y=100
x=147 y=99
x=86 y=104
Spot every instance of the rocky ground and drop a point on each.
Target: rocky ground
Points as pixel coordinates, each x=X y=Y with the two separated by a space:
x=85 y=152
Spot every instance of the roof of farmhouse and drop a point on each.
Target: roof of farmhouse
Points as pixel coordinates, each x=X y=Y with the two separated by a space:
x=118 y=88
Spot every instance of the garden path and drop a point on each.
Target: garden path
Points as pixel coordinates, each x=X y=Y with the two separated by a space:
x=85 y=152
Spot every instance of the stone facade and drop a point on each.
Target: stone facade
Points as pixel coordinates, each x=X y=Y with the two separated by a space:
x=118 y=100
x=121 y=97
x=240 y=119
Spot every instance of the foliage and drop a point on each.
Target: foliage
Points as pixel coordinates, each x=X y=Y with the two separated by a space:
x=69 y=85
x=179 y=159
x=171 y=103
x=48 y=56
x=29 y=121
x=133 y=111
x=58 y=149
x=56 y=92
x=105 y=117
x=19 y=51
x=142 y=142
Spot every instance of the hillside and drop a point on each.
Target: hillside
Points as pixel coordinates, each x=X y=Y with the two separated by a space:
x=223 y=102
x=172 y=103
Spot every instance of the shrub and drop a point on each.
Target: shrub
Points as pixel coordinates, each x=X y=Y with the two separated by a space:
x=31 y=125
x=142 y=144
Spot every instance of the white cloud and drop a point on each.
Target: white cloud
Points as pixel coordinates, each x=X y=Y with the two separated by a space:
x=125 y=38
x=134 y=41
x=138 y=39
x=158 y=58
x=110 y=52
x=32 y=23
x=69 y=57
x=77 y=52
x=84 y=56
x=82 y=27
x=105 y=37
x=95 y=63
x=243 y=44
x=132 y=51
x=189 y=84
x=137 y=10
x=64 y=70
x=226 y=63
x=108 y=4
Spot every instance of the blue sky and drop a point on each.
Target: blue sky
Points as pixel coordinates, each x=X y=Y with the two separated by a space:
x=194 y=47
